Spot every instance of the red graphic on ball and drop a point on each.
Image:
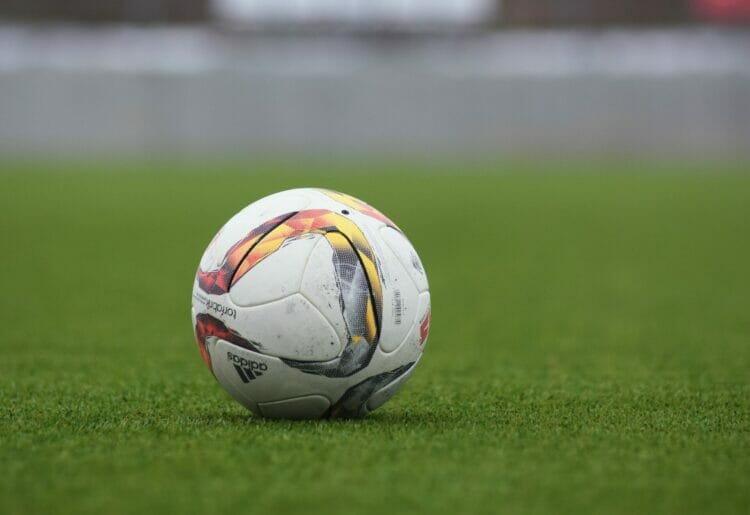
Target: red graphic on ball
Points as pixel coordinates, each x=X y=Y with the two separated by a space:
x=424 y=328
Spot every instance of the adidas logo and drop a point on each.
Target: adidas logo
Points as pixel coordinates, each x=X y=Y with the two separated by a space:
x=247 y=369
x=247 y=374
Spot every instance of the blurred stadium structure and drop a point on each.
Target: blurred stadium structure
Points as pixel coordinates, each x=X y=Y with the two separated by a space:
x=512 y=77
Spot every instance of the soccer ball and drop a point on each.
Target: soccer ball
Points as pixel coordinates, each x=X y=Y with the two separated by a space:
x=310 y=303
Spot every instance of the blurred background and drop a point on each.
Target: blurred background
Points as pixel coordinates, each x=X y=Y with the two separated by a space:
x=435 y=78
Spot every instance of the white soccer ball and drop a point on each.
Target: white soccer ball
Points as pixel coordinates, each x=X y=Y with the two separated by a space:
x=310 y=303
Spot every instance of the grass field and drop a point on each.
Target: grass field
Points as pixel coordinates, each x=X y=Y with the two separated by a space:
x=589 y=353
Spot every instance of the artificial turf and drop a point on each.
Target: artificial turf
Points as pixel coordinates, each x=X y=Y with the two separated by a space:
x=589 y=352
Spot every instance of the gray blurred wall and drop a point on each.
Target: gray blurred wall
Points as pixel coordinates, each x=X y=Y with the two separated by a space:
x=189 y=91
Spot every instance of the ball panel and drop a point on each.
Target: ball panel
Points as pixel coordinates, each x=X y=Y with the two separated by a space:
x=380 y=397
x=414 y=341
x=406 y=254
x=320 y=286
x=289 y=328
x=352 y=402
x=309 y=406
x=276 y=276
x=400 y=303
x=225 y=373
x=259 y=378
